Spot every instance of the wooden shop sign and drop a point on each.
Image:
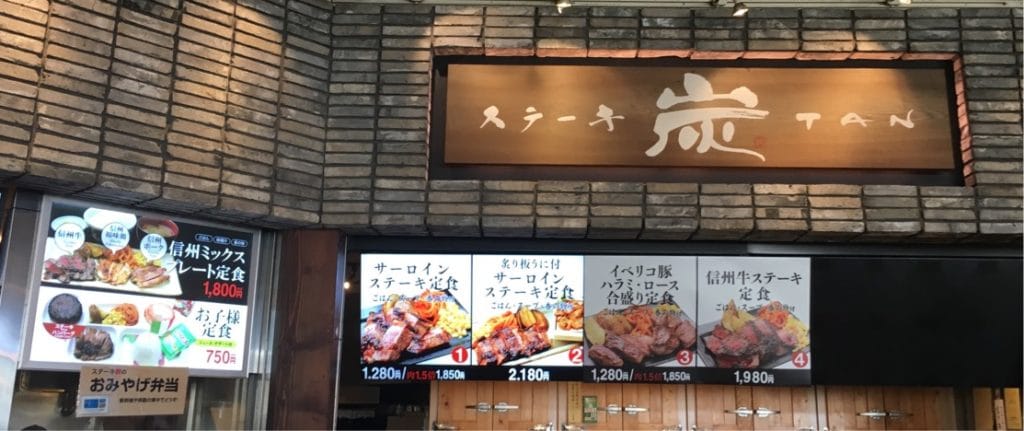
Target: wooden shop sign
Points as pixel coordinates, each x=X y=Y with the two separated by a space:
x=796 y=115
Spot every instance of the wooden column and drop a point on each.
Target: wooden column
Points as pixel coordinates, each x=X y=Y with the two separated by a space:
x=309 y=301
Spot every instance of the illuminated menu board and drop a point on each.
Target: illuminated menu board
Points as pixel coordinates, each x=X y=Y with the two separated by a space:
x=415 y=316
x=640 y=324
x=597 y=318
x=528 y=316
x=753 y=320
x=123 y=288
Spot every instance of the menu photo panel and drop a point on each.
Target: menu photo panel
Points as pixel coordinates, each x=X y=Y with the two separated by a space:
x=754 y=320
x=640 y=323
x=527 y=317
x=415 y=316
x=124 y=288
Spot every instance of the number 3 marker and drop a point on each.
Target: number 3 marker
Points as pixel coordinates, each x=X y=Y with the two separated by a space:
x=684 y=357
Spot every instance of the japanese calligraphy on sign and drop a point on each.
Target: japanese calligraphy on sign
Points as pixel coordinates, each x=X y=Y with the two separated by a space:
x=691 y=115
x=754 y=312
x=131 y=391
x=122 y=288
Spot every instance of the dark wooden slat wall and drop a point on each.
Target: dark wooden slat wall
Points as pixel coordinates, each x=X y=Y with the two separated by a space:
x=306 y=350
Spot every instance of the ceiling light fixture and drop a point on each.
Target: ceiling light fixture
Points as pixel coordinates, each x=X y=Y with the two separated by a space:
x=898 y=3
x=719 y=3
x=740 y=9
x=562 y=5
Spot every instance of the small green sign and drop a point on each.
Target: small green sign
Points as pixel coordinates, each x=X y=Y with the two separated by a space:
x=590 y=409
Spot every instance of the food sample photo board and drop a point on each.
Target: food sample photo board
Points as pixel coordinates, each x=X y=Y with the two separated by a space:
x=640 y=318
x=593 y=318
x=753 y=320
x=123 y=287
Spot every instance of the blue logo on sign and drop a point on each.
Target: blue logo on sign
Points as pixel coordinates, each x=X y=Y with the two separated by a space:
x=240 y=243
x=222 y=240
x=94 y=404
x=203 y=238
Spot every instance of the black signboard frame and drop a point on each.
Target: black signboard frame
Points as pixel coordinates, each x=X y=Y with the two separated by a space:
x=1004 y=256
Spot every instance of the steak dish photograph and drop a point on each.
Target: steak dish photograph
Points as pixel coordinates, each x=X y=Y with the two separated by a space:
x=639 y=335
x=766 y=339
x=408 y=330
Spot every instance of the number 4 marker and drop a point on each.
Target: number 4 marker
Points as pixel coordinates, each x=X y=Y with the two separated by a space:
x=800 y=359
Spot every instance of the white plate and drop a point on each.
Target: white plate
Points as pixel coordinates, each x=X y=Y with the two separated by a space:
x=575 y=335
x=556 y=334
x=100 y=218
x=171 y=288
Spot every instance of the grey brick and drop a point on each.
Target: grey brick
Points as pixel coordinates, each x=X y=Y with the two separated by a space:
x=827 y=35
x=937 y=23
x=932 y=13
x=665 y=12
x=826 y=24
x=894 y=227
x=828 y=46
x=890 y=190
x=934 y=46
x=878 y=24
x=879 y=13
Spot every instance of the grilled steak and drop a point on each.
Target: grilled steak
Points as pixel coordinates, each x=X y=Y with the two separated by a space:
x=770 y=344
x=627 y=347
x=397 y=337
x=604 y=356
x=373 y=331
x=509 y=343
x=93 y=345
x=665 y=341
x=396 y=329
x=69 y=268
x=435 y=337
x=149 y=276
x=490 y=351
x=686 y=333
x=385 y=355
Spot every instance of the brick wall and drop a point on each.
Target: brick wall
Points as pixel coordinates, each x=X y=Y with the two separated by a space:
x=295 y=113
x=376 y=181
x=215 y=107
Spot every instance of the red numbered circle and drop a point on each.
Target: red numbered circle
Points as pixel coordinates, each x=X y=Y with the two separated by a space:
x=800 y=359
x=684 y=357
x=460 y=354
x=576 y=355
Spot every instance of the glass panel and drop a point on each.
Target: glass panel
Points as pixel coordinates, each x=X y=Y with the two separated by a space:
x=47 y=400
x=220 y=404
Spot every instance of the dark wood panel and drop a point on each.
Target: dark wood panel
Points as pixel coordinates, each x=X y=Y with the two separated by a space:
x=633 y=114
x=304 y=376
